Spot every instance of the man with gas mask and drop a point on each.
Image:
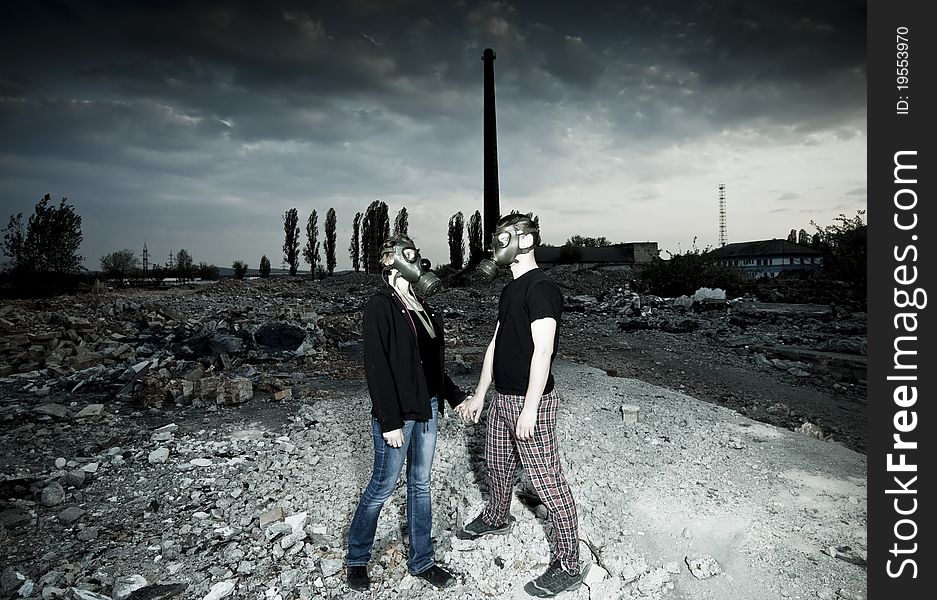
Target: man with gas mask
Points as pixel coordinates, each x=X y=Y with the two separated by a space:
x=404 y=366
x=523 y=412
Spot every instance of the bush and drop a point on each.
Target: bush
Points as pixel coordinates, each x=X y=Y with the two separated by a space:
x=207 y=272
x=686 y=273
x=119 y=265
x=240 y=269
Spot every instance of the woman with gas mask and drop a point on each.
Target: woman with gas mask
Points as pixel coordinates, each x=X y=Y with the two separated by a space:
x=404 y=358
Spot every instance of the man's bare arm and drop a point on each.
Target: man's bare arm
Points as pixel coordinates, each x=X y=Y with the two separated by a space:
x=543 y=332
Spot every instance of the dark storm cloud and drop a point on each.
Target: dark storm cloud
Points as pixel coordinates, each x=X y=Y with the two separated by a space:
x=260 y=63
x=246 y=104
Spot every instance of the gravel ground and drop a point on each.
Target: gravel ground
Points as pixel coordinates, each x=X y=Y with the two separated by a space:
x=711 y=494
x=688 y=480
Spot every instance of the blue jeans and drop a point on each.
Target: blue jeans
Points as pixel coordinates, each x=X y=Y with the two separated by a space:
x=419 y=446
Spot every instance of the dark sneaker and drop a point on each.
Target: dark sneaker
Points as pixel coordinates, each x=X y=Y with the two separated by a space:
x=478 y=528
x=358 y=577
x=437 y=577
x=554 y=581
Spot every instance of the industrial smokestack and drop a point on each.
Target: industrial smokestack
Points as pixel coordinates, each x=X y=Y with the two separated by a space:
x=492 y=207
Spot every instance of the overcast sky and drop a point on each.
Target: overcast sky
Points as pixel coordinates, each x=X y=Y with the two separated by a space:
x=196 y=125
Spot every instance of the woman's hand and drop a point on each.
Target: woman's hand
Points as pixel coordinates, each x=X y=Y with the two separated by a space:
x=470 y=409
x=394 y=438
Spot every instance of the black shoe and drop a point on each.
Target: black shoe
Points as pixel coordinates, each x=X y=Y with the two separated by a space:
x=437 y=577
x=478 y=528
x=554 y=581
x=358 y=577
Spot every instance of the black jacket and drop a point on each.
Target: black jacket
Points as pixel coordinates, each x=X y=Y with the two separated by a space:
x=392 y=363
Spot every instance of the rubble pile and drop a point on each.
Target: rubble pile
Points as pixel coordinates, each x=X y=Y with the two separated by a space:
x=211 y=441
x=259 y=507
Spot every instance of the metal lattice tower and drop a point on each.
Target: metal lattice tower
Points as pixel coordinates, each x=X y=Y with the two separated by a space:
x=723 y=235
x=146 y=260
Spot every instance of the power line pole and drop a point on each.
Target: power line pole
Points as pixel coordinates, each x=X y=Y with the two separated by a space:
x=723 y=234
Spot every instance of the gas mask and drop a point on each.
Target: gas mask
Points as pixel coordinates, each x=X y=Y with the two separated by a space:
x=505 y=246
x=411 y=267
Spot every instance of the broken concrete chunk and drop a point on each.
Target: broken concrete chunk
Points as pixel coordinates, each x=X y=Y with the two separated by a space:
x=703 y=567
x=235 y=390
x=92 y=410
x=276 y=530
x=127 y=585
x=158 y=456
x=330 y=567
x=271 y=516
x=70 y=515
x=52 y=409
x=86 y=595
x=222 y=589
x=630 y=413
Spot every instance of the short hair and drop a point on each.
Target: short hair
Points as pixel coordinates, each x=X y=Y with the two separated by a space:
x=523 y=223
x=391 y=242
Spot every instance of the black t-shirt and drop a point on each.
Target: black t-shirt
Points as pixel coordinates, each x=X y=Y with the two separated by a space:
x=429 y=356
x=531 y=296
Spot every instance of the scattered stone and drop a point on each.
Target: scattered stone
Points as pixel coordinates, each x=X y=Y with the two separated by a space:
x=125 y=586
x=298 y=521
x=53 y=494
x=653 y=581
x=92 y=410
x=703 y=567
x=158 y=456
x=222 y=589
x=596 y=574
x=276 y=530
x=88 y=534
x=164 y=433
x=52 y=409
x=812 y=430
x=60 y=463
x=10 y=580
x=200 y=462
x=703 y=294
x=330 y=567
x=272 y=516
x=88 y=595
x=70 y=515
x=90 y=467
x=75 y=477
x=629 y=413
x=683 y=301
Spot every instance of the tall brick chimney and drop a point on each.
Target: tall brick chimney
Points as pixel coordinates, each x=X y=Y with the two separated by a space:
x=492 y=205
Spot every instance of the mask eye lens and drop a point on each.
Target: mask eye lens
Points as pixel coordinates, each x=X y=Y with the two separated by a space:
x=409 y=254
x=503 y=239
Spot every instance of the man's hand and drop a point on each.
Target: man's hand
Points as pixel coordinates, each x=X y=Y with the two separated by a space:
x=394 y=438
x=526 y=423
x=470 y=409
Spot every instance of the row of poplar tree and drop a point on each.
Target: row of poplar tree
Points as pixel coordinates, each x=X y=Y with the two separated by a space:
x=369 y=230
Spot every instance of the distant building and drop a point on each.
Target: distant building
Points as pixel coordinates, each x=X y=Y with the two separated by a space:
x=616 y=256
x=768 y=257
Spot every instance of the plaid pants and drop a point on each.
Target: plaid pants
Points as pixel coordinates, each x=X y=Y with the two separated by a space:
x=540 y=457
